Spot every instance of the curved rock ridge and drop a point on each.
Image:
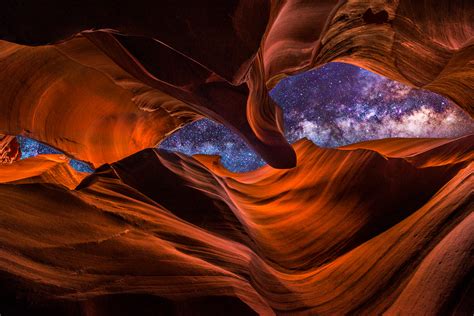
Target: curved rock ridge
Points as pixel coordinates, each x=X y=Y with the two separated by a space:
x=148 y=68
x=428 y=44
x=76 y=108
x=429 y=153
x=46 y=168
x=347 y=231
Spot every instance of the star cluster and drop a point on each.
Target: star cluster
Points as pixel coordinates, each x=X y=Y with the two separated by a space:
x=334 y=105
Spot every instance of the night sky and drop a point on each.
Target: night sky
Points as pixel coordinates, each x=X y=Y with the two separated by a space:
x=30 y=148
x=335 y=105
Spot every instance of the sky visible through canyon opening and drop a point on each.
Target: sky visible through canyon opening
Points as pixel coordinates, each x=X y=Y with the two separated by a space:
x=334 y=105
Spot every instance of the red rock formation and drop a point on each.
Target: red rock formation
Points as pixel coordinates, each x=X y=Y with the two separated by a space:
x=180 y=62
x=372 y=228
x=422 y=152
x=9 y=149
x=76 y=108
x=346 y=231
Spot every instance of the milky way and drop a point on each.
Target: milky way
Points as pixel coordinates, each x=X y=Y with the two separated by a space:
x=335 y=105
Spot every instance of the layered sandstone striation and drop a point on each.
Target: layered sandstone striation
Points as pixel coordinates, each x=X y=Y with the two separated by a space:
x=346 y=231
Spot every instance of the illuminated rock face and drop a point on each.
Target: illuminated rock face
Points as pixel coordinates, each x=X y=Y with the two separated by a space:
x=141 y=70
x=386 y=227
x=376 y=227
